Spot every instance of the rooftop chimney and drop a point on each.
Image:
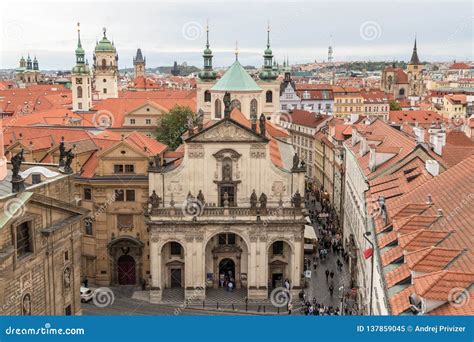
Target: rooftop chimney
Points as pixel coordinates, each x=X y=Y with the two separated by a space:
x=432 y=166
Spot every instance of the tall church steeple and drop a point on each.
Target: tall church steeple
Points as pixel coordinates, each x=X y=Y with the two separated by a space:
x=414 y=56
x=139 y=63
x=106 y=68
x=81 y=83
x=267 y=72
x=207 y=73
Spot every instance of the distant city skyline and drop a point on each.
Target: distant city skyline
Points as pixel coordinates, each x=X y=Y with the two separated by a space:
x=168 y=32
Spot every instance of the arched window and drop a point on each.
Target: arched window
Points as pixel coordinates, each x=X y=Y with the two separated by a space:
x=269 y=96
x=207 y=96
x=79 y=92
x=218 y=109
x=235 y=104
x=401 y=92
x=253 y=108
x=104 y=63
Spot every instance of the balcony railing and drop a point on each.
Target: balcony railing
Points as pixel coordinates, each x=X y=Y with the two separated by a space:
x=225 y=213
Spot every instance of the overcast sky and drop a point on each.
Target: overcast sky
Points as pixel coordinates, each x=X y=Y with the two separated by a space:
x=169 y=31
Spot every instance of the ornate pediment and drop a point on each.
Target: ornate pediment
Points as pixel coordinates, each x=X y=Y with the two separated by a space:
x=227 y=130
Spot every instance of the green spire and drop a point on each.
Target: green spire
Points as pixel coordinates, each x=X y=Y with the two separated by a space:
x=207 y=73
x=81 y=67
x=80 y=53
x=267 y=73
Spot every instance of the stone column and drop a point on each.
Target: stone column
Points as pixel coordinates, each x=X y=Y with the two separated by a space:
x=257 y=282
x=155 y=270
x=194 y=280
x=297 y=265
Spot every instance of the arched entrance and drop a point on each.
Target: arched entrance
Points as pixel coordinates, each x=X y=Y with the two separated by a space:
x=226 y=261
x=126 y=270
x=226 y=272
x=172 y=256
x=279 y=263
x=126 y=260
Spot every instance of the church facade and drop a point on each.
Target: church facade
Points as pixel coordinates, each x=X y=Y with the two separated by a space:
x=230 y=210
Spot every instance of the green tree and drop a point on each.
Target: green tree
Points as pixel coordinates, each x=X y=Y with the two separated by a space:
x=395 y=105
x=173 y=125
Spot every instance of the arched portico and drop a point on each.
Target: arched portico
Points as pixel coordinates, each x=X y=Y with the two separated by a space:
x=280 y=263
x=226 y=260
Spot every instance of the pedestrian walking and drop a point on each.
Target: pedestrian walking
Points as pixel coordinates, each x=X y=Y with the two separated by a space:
x=331 y=289
x=86 y=281
x=332 y=274
x=327 y=275
x=290 y=307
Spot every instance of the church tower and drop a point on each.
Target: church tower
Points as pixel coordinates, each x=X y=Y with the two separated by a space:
x=415 y=74
x=330 y=57
x=270 y=98
x=139 y=64
x=81 y=83
x=105 y=68
x=207 y=78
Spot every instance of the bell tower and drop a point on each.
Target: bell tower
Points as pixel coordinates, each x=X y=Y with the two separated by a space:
x=415 y=74
x=139 y=64
x=105 y=68
x=81 y=83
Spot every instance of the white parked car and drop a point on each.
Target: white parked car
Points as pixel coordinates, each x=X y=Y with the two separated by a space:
x=86 y=294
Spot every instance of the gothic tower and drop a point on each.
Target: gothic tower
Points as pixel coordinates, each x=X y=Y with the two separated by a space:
x=415 y=74
x=105 y=68
x=139 y=64
x=81 y=83
x=207 y=78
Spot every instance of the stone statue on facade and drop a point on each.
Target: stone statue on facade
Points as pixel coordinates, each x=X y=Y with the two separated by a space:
x=262 y=125
x=190 y=125
x=263 y=200
x=227 y=103
x=200 y=197
x=296 y=161
x=154 y=200
x=17 y=180
x=253 y=199
x=297 y=199
x=16 y=164
x=67 y=164
x=62 y=152
x=200 y=119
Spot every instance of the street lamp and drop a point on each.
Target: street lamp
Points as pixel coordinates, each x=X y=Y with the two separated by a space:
x=366 y=234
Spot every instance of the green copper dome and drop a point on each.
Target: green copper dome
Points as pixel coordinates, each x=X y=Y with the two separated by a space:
x=236 y=79
x=104 y=44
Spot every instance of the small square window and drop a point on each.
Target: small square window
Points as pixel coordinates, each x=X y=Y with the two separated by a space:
x=129 y=168
x=119 y=195
x=148 y=121
x=87 y=194
x=130 y=195
x=132 y=121
x=36 y=178
x=118 y=168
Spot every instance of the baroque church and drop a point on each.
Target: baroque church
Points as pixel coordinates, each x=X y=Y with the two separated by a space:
x=231 y=208
x=401 y=83
x=249 y=96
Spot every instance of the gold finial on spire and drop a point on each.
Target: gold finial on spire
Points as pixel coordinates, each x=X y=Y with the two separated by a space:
x=236 y=50
x=104 y=30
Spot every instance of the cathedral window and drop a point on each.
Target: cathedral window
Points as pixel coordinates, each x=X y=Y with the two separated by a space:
x=269 y=96
x=24 y=242
x=227 y=169
x=104 y=63
x=207 y=96
x=277 y=248
x=253 y=108
x=218 y=109
x=79 y=92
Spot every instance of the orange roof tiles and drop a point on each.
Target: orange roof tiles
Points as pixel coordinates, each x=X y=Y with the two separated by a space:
x=438 y=285
x=431 y=259
x=397 y=275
